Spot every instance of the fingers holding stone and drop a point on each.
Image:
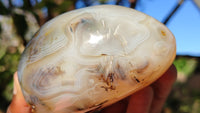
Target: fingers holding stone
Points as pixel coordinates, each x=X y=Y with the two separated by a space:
x=18 y=104
x=162 y=88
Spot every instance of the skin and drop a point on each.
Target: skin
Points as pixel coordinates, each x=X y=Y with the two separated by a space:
x=148 y=100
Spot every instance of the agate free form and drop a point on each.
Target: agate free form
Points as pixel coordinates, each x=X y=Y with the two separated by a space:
x=89 y=58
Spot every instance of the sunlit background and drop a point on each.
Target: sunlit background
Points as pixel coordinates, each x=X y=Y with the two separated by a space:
x=20 y=19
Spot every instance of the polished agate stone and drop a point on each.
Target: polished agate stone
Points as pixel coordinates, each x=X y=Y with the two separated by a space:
x=90 y=58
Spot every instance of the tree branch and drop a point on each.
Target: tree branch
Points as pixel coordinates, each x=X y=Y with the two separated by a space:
x=173 y=12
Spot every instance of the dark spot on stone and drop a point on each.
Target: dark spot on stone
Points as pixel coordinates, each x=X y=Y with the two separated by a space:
x=103 y=54
x=71 y=29
x=107 y=88
x=83 y=20
x=80 y=109
x=137 y=80
x=73 y=26
x=163 y=33
x=110 y=78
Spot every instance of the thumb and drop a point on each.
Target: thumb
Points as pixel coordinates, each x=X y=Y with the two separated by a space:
x=18 y=104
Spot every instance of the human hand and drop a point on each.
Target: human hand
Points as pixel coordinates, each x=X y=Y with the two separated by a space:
x=148 y=100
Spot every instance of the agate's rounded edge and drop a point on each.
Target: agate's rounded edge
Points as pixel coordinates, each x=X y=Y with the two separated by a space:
x=89 y=58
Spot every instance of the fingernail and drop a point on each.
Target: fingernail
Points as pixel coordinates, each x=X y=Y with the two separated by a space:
x=8 y=110
x=15 y=84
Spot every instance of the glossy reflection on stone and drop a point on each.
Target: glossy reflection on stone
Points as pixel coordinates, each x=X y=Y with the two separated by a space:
x=90 y=58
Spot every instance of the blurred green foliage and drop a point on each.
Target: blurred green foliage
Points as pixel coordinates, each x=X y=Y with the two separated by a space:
x=8 y=65
x=16 y=26
x=186 y=65
x=185 y=94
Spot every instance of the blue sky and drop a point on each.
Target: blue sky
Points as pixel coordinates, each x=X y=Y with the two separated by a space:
x=184 y=24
